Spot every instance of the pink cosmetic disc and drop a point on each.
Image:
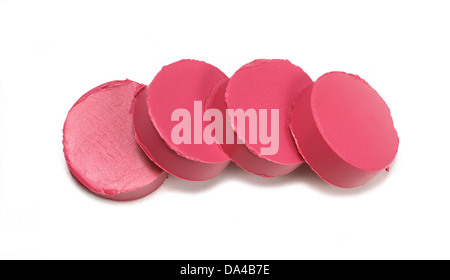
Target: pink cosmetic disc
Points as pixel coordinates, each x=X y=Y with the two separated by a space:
x=270 y=86
x=344 y=130
x=100 y=148
x=177 y=95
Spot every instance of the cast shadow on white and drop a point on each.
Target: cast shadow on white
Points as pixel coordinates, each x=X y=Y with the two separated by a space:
x=302 y=176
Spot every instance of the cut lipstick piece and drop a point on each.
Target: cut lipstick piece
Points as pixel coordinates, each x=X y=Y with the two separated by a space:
x=100 y=148
x=263 y=91
x=177 y=96
x=344 y=130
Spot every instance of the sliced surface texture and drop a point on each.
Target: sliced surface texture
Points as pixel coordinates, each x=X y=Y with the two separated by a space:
x=100 y=148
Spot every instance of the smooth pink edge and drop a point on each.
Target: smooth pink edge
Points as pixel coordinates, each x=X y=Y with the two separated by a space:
x=266 y=168
x=160 y=153
x=323 y=146
x=214 y=87
x=247 y=159
x=253 y=64
x=322 y=132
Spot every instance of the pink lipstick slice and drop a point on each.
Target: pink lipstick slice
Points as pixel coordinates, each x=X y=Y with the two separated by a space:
x=263 y=85
x=100 y=148
x=186 y=85
x=344 y=130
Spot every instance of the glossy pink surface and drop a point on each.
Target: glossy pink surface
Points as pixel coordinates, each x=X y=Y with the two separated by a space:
x=266 y=84
x=344 y=129
x=160 y=153
x=178 y=86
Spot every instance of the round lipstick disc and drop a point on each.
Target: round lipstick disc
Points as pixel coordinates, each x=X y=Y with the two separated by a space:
x=264 y=90
x=344 y=130
x=100 y=148
x=169 y=120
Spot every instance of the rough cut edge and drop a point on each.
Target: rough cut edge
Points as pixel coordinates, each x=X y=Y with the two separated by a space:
x=149 y=113
x=147 y=152
x=101 y=191
x=254 y=64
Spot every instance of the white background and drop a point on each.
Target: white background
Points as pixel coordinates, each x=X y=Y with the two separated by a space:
x=52 y=52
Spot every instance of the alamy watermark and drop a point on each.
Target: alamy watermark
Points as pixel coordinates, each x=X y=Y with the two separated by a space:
x=189 y=129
